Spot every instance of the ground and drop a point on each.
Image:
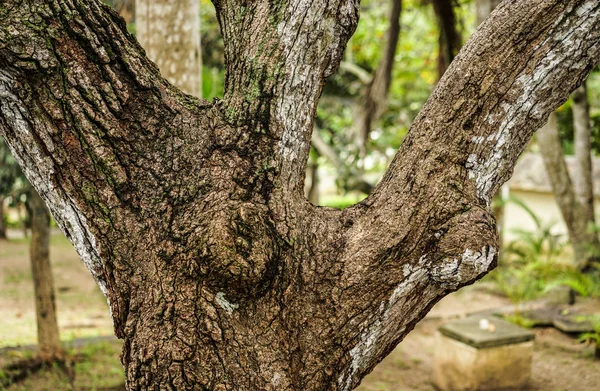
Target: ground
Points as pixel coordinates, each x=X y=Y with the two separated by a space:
x=559 y=363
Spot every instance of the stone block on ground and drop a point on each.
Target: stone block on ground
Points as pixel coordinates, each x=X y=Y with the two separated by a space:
x=560 y=295
x=469 y=358
x=573 y=324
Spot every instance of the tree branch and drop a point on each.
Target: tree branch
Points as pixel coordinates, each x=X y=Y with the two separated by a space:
x=427 y=226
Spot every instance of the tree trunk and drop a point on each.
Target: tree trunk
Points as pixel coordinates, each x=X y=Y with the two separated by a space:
x=126 y=8
x=484 y=8
x=575 y=214
x=191 y=215
x=449 y=38
x=374 y=100
x=312 y=195
x=2 y=219
x=172 y=26
x=583 y=181
x=49 y=345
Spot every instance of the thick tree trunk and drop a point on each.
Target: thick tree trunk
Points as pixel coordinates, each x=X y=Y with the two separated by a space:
x=49 y=345
x=2 y=219
x=576 y=214
x=192 y=218
x=172 y=26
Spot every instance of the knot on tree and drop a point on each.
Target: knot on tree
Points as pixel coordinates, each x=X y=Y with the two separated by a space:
x=241 y=252
x=467 y=250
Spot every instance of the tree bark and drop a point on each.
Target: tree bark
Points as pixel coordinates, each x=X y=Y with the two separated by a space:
x=191 y=215
x=172 y=26
x=574 y=208
x=49 y=345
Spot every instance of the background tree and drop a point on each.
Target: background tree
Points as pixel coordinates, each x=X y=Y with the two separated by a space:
x=450 y=40
x=49 y=345
x=191 y=215
x=573 y=193
x=9 y=173
x=13 y=183
x=172 y=26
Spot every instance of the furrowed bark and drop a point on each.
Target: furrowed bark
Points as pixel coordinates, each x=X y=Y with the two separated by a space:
x=191 y=216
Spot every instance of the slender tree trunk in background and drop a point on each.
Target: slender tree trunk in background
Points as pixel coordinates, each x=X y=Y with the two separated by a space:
x=575 y=214
x=172 y=26
x=373 y=102
x=49 y=345
x=2 y=219
x=484 y=8
x=583 y=174
x=126 y=8
x=450 y=40
x=312 y=195
x=191 y=215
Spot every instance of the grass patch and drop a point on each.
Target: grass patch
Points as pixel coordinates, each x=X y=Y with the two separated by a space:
x=96 y=368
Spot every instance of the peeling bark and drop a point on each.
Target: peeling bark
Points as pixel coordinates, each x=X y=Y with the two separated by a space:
x=191 y=215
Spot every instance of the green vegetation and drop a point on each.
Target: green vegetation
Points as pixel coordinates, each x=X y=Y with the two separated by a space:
x=92 y=367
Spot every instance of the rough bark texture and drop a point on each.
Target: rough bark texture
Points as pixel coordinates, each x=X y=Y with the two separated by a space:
x=174 y=26
x=575 y=213
x=373 y=102
x=191 y=216
x=449 y=38
x=49 y=345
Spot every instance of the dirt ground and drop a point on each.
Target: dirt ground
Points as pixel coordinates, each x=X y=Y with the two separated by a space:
x=82 y=309
x=559 y=362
